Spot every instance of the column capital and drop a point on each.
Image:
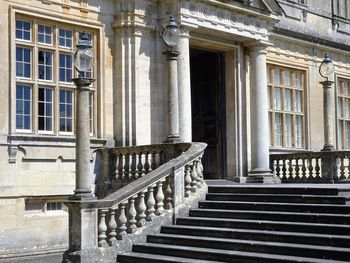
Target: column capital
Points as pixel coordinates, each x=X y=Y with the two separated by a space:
x=257 y=46
x=327 y=84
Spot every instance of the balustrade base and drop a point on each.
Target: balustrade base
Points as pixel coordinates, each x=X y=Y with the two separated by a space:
x=262 y=176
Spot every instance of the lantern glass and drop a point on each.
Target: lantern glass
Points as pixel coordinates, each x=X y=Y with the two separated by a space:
x=171 y=34
x=83 y=55
x=83 y=59
x=327 y=67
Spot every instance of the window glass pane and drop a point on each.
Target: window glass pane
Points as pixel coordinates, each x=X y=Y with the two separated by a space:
x=346 y=89
x=65 y=37
x=44 y=34
x=340 y=134
x=269 y=97
x=45 y=65
x=347 y=108
x=45 y=109
x=340 y=108
x=347 y=135
x=278 y=99
x=23 y=62
x=299 y=131
x=286 y=78
x=298 y=101
x=65 y=67
x=66 y=110
x=276 y=77
x=289 y=130
x=288 y=99
x=23 y=30
x=297 y=80
x=23 y=107
x=278 y=129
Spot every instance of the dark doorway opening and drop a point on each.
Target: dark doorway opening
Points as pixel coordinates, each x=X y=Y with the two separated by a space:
x=208 y=109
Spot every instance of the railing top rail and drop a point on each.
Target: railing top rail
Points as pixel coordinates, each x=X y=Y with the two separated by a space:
x=194 y=151
x=147 y=148
x=309 y=154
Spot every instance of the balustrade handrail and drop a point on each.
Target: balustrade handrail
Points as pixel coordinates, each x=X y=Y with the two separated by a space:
x=194 y=151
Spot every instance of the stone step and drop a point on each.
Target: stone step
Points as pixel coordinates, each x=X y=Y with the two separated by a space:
x=332 y=229
x=274 y=189
x=196 y=253
x=260 y=235
x=154 y=258
x=287 y=207
x=272 y=216
x=289 y=249
x=279 y=198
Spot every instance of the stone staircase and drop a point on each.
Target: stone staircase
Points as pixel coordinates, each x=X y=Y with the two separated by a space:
x=256 y=223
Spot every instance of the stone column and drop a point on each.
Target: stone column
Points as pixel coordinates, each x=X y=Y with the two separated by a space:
x=184 y=82
x=328 y=108
x=173 y=97
x=82 y=150
x=260 y=172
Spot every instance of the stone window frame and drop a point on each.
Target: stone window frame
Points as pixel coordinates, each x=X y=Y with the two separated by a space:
x=55 y=83
x=283 y=112
x=40 y=205
x=342 y=120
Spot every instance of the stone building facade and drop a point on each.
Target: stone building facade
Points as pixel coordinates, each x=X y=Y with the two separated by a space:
x=248 y=83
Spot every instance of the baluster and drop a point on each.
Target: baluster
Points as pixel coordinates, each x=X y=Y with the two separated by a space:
x=297 y=170
x=311 y=169
x=112 y=224
x=140 y=166
x=133 y=169
x=115 y=164
x=132 y=216
x=127 y=167
x=188 y=181
x=122 y=163
x=318 y=168
x=153 y=161
x=347 y=166
x=290 y=170
x=147 y=166
x=201 y=164
x=159 y=199
x=168 y=194
x=303 y=169
x=278 y=169
x=342 y=169
x=150 y=204
x=194 y=177
x=284 y=170
x=199 y=173
x=122 y=220
x=102 y=228
x=141 y=209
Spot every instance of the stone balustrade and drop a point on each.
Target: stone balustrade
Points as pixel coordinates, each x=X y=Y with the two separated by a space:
x=311 y=167
x=122 y=165
x=165 y=182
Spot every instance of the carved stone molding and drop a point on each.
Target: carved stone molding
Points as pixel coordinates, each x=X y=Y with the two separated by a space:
x=203 y=14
